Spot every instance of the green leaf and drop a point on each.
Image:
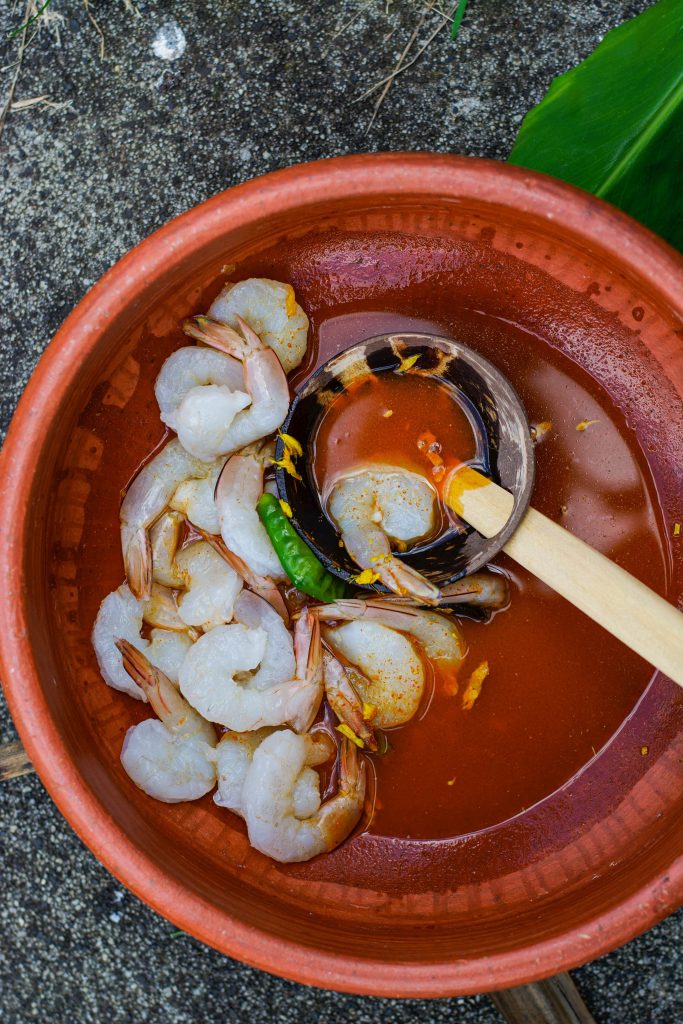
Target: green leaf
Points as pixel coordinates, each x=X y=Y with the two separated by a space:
x=457 y=18
x=614 y=124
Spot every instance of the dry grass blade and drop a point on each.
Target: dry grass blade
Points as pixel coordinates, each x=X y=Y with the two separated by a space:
x=445 y=19
x=30 y=101
x=14 y=761
x=94 y=22
x=348 y=23
x=397 y=68
x=9 y=99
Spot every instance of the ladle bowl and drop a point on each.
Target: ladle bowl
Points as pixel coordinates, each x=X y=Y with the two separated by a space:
x=504 y=449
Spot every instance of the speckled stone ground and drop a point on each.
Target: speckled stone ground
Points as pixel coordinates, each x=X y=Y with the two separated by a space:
x=133 y=139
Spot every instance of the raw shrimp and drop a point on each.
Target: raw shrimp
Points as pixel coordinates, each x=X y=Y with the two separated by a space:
x=167 y=651
x=270 y=308
x=373 y=506
x=388 y=662
x=160 y=609
x=264 y=586
x=215 y=678
x=481 y=590
x=164 y=539
x=342 y=685
x=278 y=664
x=194 y=500
x=121 y=615
x=218 y=425
x=439 y=635
x=170 y=759
x=200 y=392
x=485 y=590
x=239 y=487
x=211 y=586
x=232 y=758
x=281 y=796
x=148 y=498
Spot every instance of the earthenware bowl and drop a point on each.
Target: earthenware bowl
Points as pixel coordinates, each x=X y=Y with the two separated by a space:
x=583 y=871
x=504 y=449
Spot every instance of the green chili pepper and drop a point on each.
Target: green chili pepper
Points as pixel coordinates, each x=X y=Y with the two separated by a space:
x=303 y=567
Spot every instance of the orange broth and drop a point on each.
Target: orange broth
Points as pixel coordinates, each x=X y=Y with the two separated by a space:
x=559 y=686
x=393 y=419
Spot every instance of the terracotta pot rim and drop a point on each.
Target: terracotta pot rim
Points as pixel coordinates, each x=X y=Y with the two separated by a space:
x=418 y=174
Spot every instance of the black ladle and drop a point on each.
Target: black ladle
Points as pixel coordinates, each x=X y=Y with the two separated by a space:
x=492 y=496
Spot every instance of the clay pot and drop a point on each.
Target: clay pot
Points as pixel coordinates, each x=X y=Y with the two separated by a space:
x=582 y=872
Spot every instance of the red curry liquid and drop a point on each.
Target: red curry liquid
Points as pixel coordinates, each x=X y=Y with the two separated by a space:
x=559 y=686
x=394 y=419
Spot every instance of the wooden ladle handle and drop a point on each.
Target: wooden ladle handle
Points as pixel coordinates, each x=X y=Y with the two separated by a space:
x=623 y=605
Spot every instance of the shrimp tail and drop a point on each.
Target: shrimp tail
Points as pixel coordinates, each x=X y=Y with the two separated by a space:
x=170 y=706
x=337 y=817
x=345 y=701
x=484 y=590
x=221 y=336
x=161 y=610
x=305 y=698
x=138 y=561
x=147 y=677
x=345 y=608
x=403 y=579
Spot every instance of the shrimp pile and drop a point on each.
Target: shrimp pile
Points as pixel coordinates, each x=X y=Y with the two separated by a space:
x=245 y=683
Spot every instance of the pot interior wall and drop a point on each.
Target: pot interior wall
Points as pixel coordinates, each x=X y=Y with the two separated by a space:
x=572 y=856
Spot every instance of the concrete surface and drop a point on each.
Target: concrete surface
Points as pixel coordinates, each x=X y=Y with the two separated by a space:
x=134 y=139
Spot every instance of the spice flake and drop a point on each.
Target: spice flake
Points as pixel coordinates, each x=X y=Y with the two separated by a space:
x=366 y=577
x=474 y=685
x=347 y=731
x=407 y=362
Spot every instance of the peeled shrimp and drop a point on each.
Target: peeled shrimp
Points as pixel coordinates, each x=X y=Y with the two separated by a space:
x=281 y=796
x=200 y=392
x=223 y=421
x=389 y=664
x=215 y=677
x=167 y=651
x=171 y=758
x=373 y=506
x=194 y=500
x=239 y=487
x=278 y=664
x=121 y=615
x=212 y=586
x=270 y=308
x=147 y=498
x=232 y=758
x=439 y=635
x=264 y=586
